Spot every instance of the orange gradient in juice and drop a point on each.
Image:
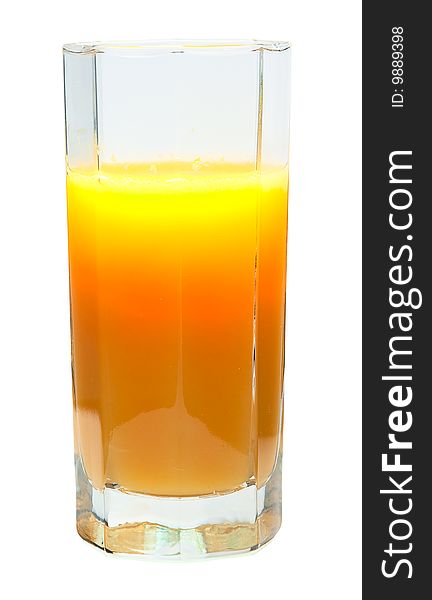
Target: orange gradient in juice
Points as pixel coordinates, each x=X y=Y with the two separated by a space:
x=163 y=293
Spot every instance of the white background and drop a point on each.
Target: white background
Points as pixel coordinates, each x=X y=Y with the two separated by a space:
x=317 y=552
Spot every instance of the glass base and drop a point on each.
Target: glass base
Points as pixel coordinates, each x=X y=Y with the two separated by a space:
x=121 y=522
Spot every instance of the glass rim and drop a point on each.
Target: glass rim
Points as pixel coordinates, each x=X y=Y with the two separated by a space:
x=176 y=46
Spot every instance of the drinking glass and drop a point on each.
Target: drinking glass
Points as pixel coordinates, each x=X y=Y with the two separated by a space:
x=177 y=186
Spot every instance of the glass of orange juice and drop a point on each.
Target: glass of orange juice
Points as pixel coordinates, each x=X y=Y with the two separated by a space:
x=177 y=187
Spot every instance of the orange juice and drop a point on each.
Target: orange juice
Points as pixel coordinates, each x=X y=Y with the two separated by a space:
x=177 y=279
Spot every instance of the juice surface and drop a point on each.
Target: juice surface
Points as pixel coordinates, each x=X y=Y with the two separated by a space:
x=177 y=275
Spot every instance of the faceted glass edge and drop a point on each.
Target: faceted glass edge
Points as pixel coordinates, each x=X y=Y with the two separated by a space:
x=168 y=46
x=179 y=528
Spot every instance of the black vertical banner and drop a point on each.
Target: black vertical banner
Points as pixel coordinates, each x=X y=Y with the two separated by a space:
x=397 y=329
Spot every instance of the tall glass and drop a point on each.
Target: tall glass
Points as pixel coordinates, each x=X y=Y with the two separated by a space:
x=177 y=185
